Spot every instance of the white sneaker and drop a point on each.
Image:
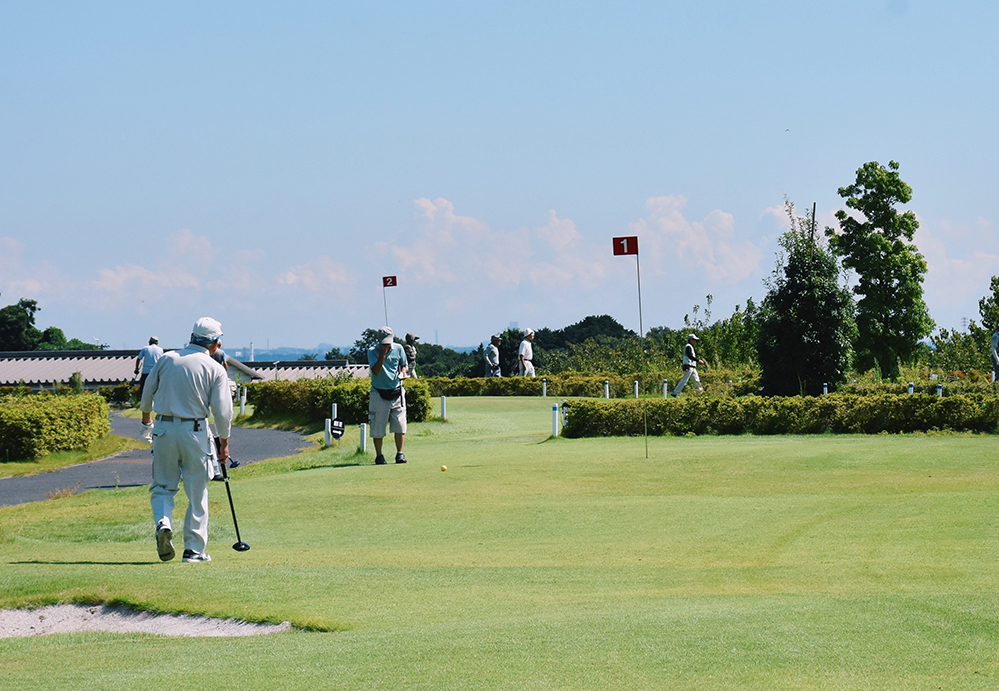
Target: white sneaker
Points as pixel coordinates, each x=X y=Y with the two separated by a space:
x=164 y=543
x=192 y=557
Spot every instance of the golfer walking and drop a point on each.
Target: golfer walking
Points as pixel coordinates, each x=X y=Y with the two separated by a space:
x=387 y=402
x=526 y=354
x=184 y=386
x=690 y=362
x=492 y=357
x=147 y=358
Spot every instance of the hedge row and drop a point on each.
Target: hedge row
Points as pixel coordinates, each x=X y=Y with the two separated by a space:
x=312 y=399
x=574 y=384
x=840 y=413
x=32 y=426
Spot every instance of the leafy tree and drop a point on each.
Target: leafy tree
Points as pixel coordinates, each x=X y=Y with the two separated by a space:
x=359 y=351
x=438 y=361
x=17 y=326
x=891 y=314
x=309 y=357
x=336 y=354
x=807 y=317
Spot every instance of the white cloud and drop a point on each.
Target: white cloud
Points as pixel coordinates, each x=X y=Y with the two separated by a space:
x=956 y=282
x=708 y=244
x=321 y=275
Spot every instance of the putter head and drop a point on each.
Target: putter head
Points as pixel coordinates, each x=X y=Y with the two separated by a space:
x=241 y=546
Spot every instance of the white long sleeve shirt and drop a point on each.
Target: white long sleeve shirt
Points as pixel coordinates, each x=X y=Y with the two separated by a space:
x=188 y=383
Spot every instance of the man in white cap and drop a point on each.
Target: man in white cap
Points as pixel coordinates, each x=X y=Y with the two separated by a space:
x=492 y=357
x=387 y=403
x=184 y=387
x=690 y=362
x=526 y=354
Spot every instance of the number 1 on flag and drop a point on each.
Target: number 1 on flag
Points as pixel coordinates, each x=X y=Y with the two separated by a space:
x=626 y=245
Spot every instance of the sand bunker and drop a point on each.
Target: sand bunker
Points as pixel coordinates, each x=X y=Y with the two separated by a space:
x=75 y=618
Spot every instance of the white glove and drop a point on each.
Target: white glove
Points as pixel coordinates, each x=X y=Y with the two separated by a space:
x=147 y=433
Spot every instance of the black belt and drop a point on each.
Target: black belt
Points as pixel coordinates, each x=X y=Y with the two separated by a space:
x=171 y=418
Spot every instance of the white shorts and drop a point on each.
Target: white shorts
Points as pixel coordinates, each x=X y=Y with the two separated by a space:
x=382 y=413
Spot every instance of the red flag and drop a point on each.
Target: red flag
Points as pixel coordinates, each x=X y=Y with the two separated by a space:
x=389 y=281
x=626 y=245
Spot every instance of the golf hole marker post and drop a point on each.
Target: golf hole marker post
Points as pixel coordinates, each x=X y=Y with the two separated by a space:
x=623 y=246
x=387 y=282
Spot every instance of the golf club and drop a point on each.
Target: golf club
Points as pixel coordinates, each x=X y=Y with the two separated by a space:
x=239 y=546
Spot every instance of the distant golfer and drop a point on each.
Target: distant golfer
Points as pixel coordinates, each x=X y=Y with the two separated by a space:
x=690 y=362
x=410 y=350
x=184 y=386
x=492 y=356
x=995 y=356
x=526 y=354
x=387 y=402
x=147 y=358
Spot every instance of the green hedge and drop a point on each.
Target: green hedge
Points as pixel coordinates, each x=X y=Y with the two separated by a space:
x=839 y=413
x=312 y=399
x=32 y=426
x=575 y=384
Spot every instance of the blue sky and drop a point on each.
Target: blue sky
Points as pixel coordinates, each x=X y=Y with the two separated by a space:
x=267 y=164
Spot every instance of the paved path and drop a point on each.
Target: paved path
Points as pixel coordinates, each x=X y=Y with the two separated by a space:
x=133 y=468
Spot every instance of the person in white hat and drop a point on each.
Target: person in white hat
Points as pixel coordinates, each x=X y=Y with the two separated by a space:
x=690 y=362
x=184 y=387
x=387 y=402
x=526 y=354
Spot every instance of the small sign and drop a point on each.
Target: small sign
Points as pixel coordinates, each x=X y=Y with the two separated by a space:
x=626 y=245
x=336 y=428
x=389 y=282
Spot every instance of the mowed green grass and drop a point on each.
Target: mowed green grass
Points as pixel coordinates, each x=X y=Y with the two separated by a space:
x=532 y=563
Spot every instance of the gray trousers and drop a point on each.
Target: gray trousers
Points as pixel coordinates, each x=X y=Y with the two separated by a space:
x=181 y=453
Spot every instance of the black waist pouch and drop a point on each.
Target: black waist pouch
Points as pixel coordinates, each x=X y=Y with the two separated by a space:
x=390 y=394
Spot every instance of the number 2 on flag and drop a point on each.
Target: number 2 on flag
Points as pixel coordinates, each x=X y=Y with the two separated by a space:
x=626 y=245
x=389 y=281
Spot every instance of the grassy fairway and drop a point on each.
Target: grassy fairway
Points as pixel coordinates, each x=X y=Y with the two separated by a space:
x=718 y=563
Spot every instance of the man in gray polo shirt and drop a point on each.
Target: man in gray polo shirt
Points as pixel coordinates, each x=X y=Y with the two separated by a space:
x=387 y=403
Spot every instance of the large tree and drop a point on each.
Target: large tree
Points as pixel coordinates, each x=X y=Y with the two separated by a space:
x=806 y=322
x=875 y=241
x=17 y=326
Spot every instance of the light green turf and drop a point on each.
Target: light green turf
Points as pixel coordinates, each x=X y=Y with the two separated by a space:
x=718 y=563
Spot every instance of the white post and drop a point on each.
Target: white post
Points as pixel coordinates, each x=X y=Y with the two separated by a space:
x=665 y=388
x=911 y=387
x=554 y=419
x=544 y=388
x=606 y=389
x=444 y=407
x=326 y=434
x=364 y=437
x=242 y=402
x=333 y=411
x=636 y=389
x=825 y=388
x=939 y=389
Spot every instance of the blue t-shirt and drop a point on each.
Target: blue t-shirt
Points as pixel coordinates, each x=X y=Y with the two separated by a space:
x=388 y=378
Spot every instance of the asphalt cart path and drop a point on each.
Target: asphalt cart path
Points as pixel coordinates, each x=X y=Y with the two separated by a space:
x=134 y=468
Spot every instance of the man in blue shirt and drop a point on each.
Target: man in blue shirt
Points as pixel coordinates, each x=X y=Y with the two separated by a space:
x=387 y=404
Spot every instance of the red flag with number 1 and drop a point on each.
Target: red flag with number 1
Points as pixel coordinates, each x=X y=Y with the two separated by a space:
x=626 y=245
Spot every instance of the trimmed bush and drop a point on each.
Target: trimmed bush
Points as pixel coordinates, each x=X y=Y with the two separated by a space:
x=32 y=426
x=838 y=413
x=312 y=399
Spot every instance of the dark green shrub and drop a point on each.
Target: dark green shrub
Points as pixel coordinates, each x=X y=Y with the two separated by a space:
x=32 y=426
x=839 y=413
x=312 y=399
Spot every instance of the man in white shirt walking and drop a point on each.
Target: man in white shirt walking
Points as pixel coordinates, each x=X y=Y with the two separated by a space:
x=526 y=354
x=147 y=357
x=184 y=387
x=690 y=362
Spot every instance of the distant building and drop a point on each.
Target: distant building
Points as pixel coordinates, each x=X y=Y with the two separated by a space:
x=44 y=369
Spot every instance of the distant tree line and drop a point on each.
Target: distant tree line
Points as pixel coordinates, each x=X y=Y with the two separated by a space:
x=18 y=332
